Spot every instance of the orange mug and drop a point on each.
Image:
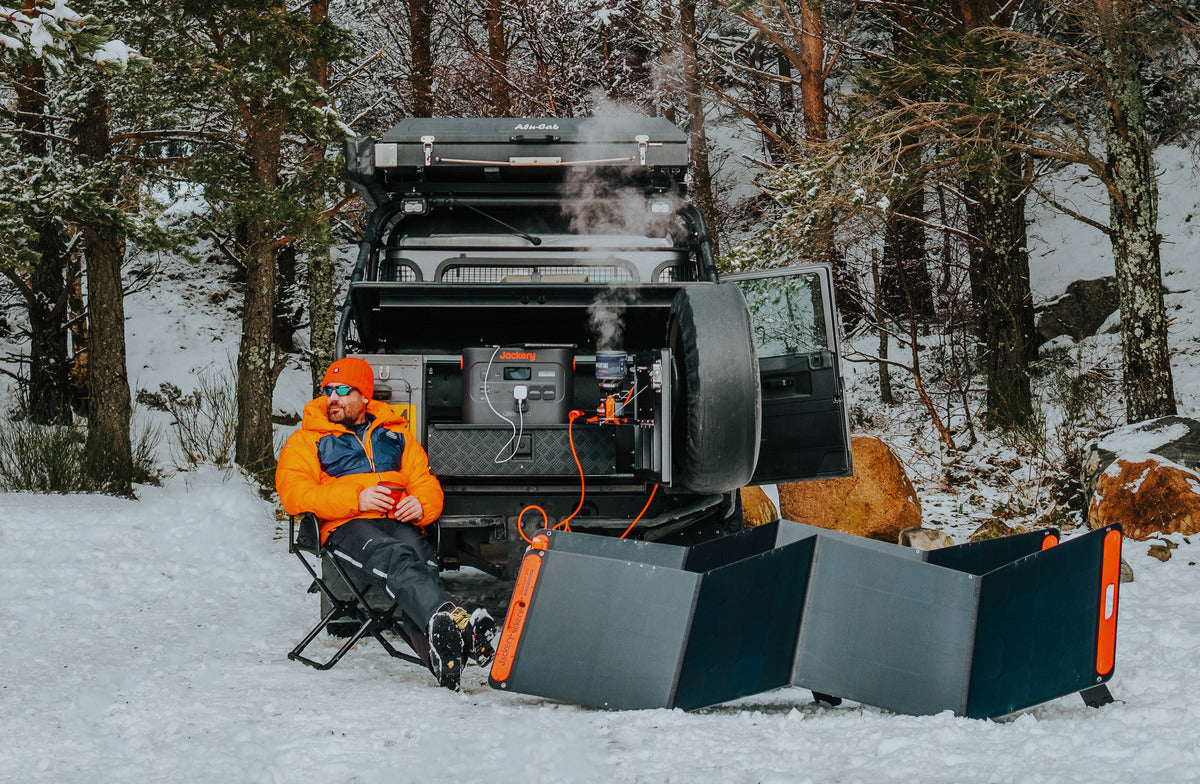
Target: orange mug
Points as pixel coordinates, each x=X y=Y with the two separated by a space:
x=397 y=490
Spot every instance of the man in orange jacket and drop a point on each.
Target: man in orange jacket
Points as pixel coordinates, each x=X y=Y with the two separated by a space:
x=354 y=464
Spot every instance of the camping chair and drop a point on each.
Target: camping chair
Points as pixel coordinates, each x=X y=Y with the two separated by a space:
x=351 y=612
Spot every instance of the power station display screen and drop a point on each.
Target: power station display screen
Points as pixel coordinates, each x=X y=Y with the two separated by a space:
x=518 y=373
x=530 y=385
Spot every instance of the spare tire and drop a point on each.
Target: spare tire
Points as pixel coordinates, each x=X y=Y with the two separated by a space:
x=718 y=416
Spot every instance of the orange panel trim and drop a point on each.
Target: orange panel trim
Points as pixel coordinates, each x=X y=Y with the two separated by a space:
x=514 y=623
x=1110 y=578
x=1049 y=541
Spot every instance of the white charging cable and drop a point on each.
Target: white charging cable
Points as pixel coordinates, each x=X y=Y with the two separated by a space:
x=514 y=439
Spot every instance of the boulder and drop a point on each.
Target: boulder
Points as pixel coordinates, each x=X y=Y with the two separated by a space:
x=925 y=538
x=1080 y=311
x=1162 y=550
x=757 y=508
x=994 y=529
x=1175 y=438
x=879 y=501
x=1148 y=495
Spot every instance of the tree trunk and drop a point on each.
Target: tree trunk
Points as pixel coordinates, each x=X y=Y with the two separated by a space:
x=497 y=38
x=1133 y=219
x=907 y=289
x=885 y=377
x=907 y=285
x=109 y=449
x=287 y=312
x=321 y=310
x=810 y=63
x=999 y=267
x=808 y=58
x=1000 y=285
x=255 y=447
x=420 y=31
x=49 y=367
x=697 y=138
x=49 y=363
x=78 y=324
x=787 y=100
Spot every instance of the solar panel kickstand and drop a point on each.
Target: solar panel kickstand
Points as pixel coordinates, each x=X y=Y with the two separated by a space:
x=1097 y=696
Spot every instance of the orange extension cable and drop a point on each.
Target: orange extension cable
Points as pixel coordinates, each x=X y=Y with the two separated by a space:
x=565 y=523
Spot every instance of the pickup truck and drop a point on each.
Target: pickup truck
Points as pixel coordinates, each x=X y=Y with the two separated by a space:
x=539 y=297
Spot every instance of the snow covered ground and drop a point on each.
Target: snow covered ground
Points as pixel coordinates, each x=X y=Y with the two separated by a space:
x=146 y=641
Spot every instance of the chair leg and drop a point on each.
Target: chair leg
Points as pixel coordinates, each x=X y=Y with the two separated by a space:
x=381 y=620
x=372 y=622
x=312 y=635
x=297 y=652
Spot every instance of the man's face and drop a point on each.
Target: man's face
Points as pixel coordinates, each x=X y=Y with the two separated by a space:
x=348 y=409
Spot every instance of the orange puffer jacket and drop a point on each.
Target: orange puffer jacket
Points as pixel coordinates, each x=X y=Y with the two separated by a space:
x=324 y=466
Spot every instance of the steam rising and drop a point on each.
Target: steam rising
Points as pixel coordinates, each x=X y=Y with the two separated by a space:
x=606 y=317
x=597 y=205
x=604 y=205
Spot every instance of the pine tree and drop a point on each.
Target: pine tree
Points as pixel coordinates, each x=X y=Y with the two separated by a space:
x=248 y=69
x=1090 y=60
x=85 y=189
x=1133 y=206
x=33 y=235
x=321 y=308
x=931 y=109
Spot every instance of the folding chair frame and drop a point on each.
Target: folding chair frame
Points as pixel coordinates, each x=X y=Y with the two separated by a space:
x=305 y=537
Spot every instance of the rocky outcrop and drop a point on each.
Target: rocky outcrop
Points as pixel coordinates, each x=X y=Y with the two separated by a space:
x=1175 y=438
x=757 y=508
x=1148 y=495
x=1080 y=311
x=879 y=501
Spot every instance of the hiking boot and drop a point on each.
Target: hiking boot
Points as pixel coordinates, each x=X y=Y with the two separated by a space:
x=445 y=649
x=478 y=633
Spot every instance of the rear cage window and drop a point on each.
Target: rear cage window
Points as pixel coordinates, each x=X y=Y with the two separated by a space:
x=399 y=271
x=536 y=273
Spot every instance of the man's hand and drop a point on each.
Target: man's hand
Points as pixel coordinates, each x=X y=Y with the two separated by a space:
x=409 y=510
x=375 y=499
x=378 y=498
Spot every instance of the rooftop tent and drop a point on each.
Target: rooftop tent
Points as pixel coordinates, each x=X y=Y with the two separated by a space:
x=647 y=151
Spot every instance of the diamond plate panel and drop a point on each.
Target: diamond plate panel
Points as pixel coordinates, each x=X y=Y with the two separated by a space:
x=456 y=450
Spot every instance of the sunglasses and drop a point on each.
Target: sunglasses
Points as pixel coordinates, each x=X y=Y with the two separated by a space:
x=341 y=390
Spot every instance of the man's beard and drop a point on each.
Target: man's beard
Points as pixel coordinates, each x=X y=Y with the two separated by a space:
x=336 y=414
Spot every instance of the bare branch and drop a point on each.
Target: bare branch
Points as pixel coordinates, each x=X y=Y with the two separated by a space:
x=1063 y=208
x=359 y=68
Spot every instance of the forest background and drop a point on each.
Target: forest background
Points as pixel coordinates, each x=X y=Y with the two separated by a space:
x=899 y=141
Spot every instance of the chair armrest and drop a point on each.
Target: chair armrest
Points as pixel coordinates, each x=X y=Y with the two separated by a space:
x=304 y=533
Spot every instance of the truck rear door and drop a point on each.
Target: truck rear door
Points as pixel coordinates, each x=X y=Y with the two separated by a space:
x=805 y=424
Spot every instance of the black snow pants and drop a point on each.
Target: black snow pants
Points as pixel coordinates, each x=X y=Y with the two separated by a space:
x=396 y=557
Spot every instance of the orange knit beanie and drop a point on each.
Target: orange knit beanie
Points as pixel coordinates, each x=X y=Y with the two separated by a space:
x=353 y=371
